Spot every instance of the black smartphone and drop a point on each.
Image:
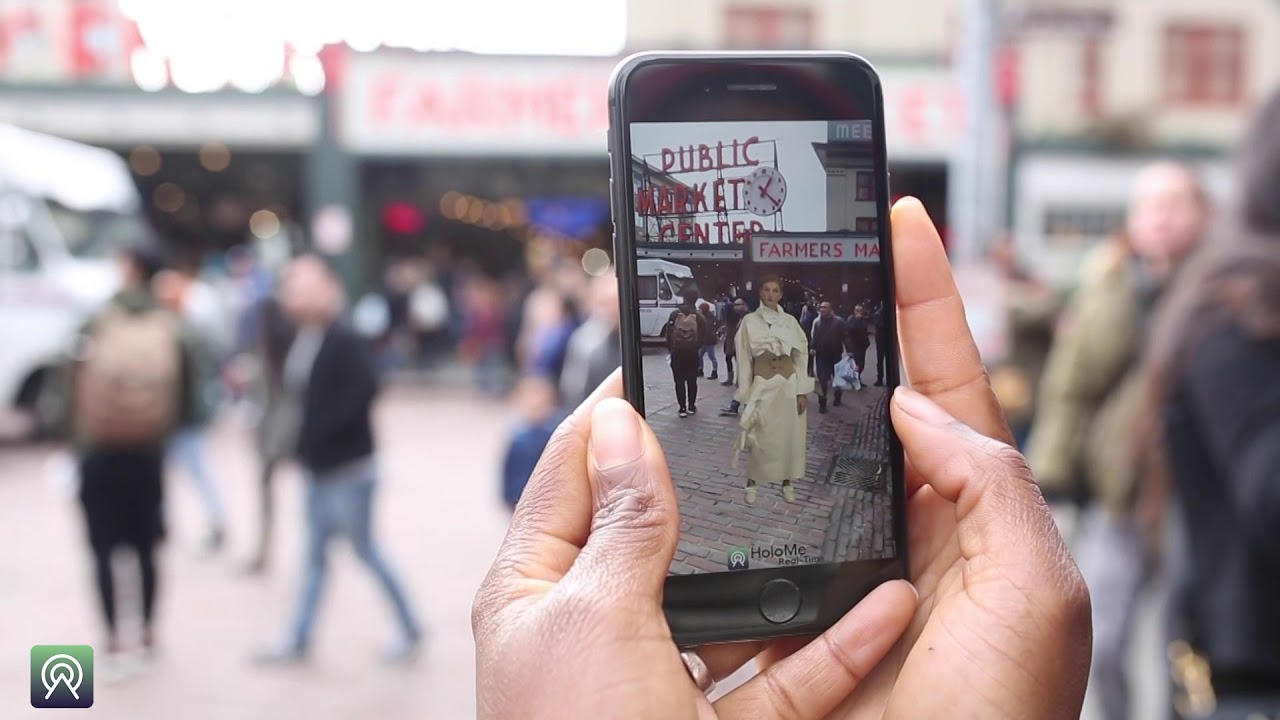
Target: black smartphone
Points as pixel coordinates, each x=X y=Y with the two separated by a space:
x=750 y=204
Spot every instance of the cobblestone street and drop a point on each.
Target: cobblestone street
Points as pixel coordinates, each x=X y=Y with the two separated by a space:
x=831 y=521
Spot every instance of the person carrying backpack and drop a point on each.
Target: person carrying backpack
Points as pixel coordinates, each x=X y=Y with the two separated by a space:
x=687 y=331
x=132 y=383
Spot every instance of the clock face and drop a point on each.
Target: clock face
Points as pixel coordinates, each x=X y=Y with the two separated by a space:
x=765 y=190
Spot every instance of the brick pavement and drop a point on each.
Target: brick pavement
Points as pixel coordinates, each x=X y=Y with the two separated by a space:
x=831 y=522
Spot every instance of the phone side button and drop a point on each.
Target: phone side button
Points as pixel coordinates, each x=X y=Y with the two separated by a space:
x=779 y=601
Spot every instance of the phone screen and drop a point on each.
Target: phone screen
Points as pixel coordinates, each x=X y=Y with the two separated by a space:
x=766 y=358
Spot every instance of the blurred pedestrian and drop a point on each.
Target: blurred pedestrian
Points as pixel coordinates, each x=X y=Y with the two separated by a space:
x=1092 y=403
x=278 y=416
x=880 y=327
x=533 y=405
x=595 y=348
x=859 y=339
x=330 y=369
x=708 y=349
x=133 y=382
x=1215 y=364
x=208 y=326
x=1032 y=306
x=687 y=331
x=740 y=308
x=827 y=347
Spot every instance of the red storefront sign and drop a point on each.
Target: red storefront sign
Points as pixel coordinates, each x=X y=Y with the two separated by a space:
x=398 y=101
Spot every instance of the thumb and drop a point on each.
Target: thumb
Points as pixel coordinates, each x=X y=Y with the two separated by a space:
x=636 y=520
x=999 y=509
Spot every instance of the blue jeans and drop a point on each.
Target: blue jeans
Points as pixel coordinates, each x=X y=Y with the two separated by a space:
x=706 y=350
x=342 y=506
x=188 y=449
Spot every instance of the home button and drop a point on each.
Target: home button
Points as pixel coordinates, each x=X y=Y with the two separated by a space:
x=779 y=601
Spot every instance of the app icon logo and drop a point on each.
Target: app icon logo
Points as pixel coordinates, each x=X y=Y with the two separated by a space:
x=61 y=676
x=738 y=558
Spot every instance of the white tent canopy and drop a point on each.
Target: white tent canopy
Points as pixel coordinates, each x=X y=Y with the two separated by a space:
x=80 y=177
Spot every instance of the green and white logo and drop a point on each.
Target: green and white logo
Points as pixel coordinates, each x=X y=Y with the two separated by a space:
x=61 y=676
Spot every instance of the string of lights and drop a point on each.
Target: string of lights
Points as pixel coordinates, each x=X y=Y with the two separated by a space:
x=501 y=215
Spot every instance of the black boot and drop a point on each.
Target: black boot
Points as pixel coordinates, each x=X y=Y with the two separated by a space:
x=715 y=375
x=837 y=402
x=822 y=404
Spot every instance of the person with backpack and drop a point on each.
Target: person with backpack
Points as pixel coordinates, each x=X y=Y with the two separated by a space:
x=132 y=384
x=687 y=331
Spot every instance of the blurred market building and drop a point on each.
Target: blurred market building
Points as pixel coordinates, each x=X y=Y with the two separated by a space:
x=363 y=136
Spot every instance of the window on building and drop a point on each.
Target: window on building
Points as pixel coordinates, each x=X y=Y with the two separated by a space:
x=765 y=27
x=1204 y=64
x=1091 y=77
x=866 y=187
x=1067 y=225
x=866 y=225
x=647 y=287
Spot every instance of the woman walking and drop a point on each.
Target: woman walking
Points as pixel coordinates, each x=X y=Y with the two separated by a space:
x=774 y=385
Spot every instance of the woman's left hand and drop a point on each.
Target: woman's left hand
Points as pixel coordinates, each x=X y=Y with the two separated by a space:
x=802 y=404
x=569 y=623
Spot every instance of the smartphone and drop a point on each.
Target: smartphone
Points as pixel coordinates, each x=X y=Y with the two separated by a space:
x=750 y=203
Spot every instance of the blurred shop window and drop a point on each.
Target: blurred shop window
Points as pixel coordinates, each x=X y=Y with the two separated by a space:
x=664 y=289
x=18 y=252
x=1072 y=226
x=762 y=27
x=647 y=286
x=1204 y=64
x=98 y=234
x=866 y=225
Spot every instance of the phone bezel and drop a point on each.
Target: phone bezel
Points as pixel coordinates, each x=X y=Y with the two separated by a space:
x=724 y=606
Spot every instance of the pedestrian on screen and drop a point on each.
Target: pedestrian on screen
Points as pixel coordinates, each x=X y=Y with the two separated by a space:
x=827 y=346
x=708 y=348
x=687 y=332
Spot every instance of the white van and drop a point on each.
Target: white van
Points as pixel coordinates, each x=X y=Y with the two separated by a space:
x=65 y=209
x=662 y=286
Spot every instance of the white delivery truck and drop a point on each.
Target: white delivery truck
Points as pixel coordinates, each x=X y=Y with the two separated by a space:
x=65 y=209
x=662 y=286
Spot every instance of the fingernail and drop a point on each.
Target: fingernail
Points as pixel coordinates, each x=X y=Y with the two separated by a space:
x=616 y=437
x=920 y=407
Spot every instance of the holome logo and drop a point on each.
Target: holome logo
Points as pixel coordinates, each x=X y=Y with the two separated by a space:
x=61 y=676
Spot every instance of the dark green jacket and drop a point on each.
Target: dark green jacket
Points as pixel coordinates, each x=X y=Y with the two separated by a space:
x=1091 y=397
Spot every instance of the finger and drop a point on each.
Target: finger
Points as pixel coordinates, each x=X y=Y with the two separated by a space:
x=636 y=522
x=813 y=681
x=938 y=351
x=553 y=516
x=724 y=660
x=999 y=509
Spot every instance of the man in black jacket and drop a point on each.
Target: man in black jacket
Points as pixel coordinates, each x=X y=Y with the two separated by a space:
x=330 y=376
x=827 y=347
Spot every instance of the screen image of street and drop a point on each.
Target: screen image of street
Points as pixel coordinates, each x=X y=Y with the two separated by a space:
x=765 y=361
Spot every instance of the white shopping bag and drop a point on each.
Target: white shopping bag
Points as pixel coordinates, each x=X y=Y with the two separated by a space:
x=847 y=375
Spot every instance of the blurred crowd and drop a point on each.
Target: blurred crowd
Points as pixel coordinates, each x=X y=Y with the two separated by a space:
x=1146 y=400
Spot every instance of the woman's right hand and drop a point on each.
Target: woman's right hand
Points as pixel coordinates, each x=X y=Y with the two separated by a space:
x=1003 y=625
